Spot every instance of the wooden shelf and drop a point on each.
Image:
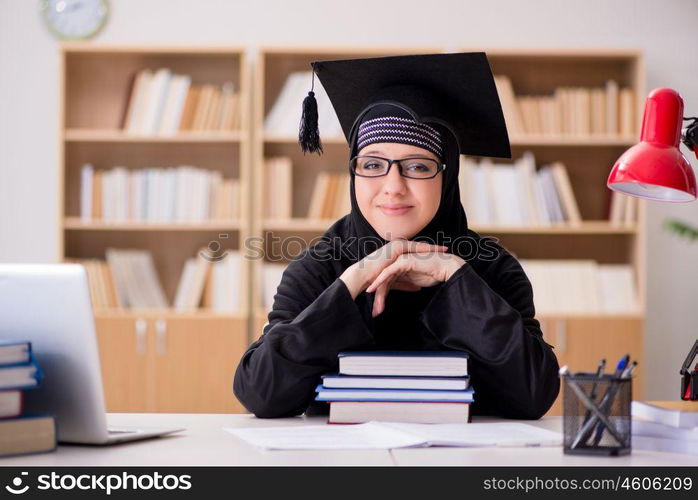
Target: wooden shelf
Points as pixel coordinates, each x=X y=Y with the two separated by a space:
x=167 y=314
x=77 y=224
x=587 y=227
x=523 y=141
x=106 y=135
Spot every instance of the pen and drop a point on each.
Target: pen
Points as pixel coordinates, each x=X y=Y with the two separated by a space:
x=626 y=373
x=592 y=395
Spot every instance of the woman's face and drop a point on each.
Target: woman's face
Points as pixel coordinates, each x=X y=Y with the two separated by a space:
x=397 y=207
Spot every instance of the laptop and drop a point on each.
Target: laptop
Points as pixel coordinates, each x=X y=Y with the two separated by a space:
x=49 y=305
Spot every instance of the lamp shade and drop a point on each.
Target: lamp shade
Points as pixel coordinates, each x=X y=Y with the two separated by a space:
x=655 y=168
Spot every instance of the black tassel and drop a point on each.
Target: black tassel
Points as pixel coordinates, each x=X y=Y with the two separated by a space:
x=308 y=132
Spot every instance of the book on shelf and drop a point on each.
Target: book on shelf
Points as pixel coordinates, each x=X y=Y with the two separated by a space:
x=282 y=118
x=209 y=281
x=27 y=434
x=135 y=279
x=222 y=288
x=623 y=209
x=272 y=272
x=678 y=414
x=337 y=381
x=158 y=195
x=404 y=363
x=160 y=102
x=190 y=289
x=278 y=185
x=581 y=286
x=516 y=194
x=330 y=198
x=101 y=283
x=607 y=110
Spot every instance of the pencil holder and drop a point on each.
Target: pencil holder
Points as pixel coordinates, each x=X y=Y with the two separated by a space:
x=597 y=414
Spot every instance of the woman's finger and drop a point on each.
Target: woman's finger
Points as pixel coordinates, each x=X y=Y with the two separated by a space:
x=379 y=300
x=385 y=274
x=384 y=290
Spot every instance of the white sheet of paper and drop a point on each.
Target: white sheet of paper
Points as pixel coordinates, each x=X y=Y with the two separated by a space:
x=386 y=435
x=481 y=434
x=326 y=437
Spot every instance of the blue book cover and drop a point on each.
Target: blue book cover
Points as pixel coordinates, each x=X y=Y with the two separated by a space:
x=21 y=375
x=324 y=394
x=341 y=381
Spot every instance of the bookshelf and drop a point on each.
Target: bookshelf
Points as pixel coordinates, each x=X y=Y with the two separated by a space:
x=581 y=339
x=154 y=360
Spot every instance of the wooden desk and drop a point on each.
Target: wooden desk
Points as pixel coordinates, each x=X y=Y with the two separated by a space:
x=206 y=443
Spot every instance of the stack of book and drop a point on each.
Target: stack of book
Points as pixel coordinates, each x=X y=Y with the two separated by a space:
x=19 y=433
x=670 y=426
x=398 y=386
x=158 y=195
x=163 y=103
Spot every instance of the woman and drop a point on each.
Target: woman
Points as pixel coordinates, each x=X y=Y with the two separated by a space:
x=402 y=271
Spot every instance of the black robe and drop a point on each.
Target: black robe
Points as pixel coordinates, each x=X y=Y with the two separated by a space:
x=485 y=309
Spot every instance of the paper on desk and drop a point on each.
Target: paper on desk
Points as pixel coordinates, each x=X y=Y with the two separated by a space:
x=481 y=434
x=385 y=435
x=326 y=437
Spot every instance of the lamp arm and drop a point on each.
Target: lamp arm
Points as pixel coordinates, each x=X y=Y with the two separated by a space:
x=689 y=135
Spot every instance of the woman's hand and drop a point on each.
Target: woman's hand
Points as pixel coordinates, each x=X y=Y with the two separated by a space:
x=362 y=273
x=413 y=270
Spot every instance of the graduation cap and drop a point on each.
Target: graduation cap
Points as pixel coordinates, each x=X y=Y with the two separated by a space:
x=454 y=90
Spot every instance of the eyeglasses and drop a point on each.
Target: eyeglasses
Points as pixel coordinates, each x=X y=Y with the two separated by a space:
x=413 y=168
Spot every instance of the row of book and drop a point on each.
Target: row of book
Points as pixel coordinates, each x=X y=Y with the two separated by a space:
x=128 y=279
x=559 y=286
x=161 y=102
x=517 y=194
x=670 y=426
x=520 y=195
x=163 y=195
x=28 y=433
x=330 y=197
x=283 y=117
x=398 y=386
x=570 y=111
x=581 y=286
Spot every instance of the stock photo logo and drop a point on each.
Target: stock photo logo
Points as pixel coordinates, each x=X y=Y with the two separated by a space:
x=16 y=487
x=213 y=252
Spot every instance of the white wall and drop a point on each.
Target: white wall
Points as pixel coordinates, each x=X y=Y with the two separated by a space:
x=666 y=31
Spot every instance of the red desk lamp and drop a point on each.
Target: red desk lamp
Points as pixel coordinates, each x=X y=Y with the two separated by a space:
x=656 y=169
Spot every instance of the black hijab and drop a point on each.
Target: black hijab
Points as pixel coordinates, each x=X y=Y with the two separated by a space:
x=351 y=238
x=449 y=226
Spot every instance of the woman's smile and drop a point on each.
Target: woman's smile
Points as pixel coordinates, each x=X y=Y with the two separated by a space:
x=394 y=208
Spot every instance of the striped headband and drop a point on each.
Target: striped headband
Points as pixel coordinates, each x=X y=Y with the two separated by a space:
x=402 y=130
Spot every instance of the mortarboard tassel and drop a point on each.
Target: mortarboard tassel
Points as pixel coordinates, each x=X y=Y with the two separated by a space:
x=309 y=133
